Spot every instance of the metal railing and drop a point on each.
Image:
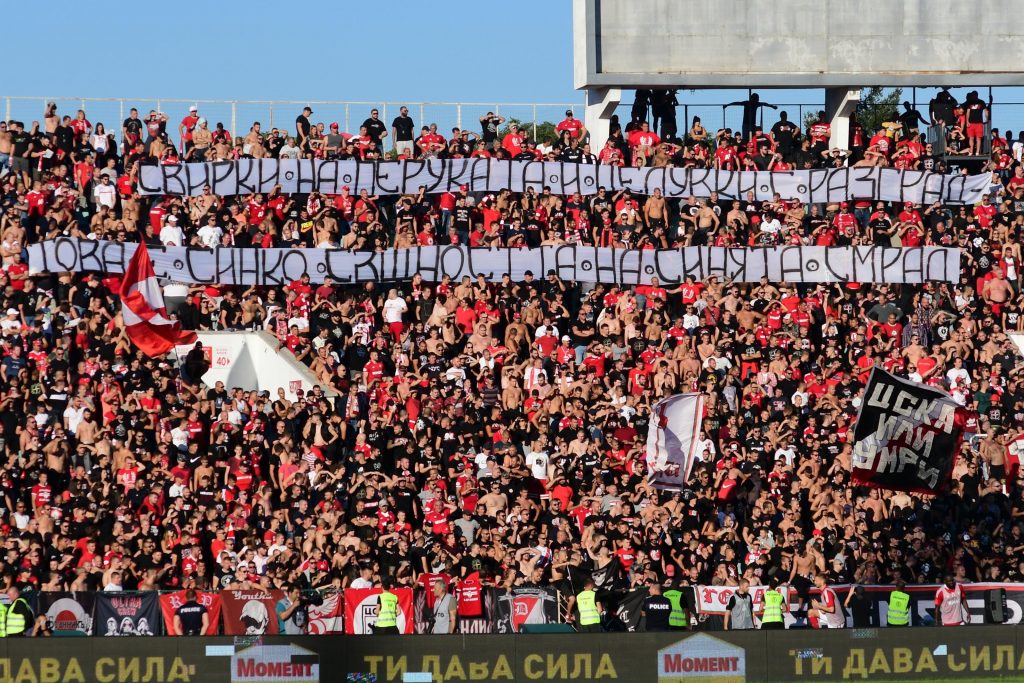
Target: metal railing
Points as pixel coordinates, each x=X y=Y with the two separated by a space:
x=111 y=111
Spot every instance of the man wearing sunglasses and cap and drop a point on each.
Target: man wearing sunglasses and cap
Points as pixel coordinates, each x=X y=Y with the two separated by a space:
x=577 y=131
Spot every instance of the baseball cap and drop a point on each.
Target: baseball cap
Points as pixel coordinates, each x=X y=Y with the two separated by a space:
x=334 y=124
x=193 y=108
x=568 y=112
x=844 y=205
x=464 y=188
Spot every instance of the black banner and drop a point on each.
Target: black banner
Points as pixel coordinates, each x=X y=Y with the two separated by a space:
x=128 y=614
x=907 y=435
x=524 y=606
x=67 y=613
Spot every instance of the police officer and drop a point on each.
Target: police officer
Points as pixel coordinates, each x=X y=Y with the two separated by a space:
x=16 y=616
x=387 y=610
x=589 y=607
x=899 y=606
x=771 y=617
x=192 y=618
x=679 y=616
x=656 y=609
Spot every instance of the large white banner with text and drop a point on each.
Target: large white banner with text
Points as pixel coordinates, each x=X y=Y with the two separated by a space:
x=242 y=266
x=248 y=176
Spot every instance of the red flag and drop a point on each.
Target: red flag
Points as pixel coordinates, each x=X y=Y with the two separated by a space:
x=170 y=602
x=142 y=306
x=361 y=610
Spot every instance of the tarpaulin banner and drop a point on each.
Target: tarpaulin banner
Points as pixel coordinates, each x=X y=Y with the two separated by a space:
x=714 y=599
x=68 y=613
x=570 y=262
x=672 y=439
x=361 y=610
x=127 y=614
x=250 y=176
x=522 y=606
x=170 y=602
x=907 y=435
x=250 y=612
x=328 y=617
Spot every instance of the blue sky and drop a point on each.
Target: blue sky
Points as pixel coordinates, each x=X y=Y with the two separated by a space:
x=386 y=51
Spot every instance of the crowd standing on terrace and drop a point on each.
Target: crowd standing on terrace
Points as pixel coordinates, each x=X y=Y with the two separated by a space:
x=495 y=427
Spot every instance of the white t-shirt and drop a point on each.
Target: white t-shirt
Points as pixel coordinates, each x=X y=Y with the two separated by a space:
x=105 y=195
x=209 y=235
x=172 y=235
x=393 y=310
x=538 y=464
x=74 y=416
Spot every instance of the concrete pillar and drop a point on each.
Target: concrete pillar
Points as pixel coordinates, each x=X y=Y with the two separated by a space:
x=840 y=103
x=601 y=105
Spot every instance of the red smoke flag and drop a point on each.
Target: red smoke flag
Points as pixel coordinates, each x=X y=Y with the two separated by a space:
x=143 y=310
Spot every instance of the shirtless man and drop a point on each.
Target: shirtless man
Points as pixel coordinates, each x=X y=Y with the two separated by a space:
x=806 y=563
x=707 y=217
x=5 y=147
x=50 y=118
x=747 y=317
x=494 y=501
x=993 y=450
x=997 y=289
x=656 y=210
x=914 y=351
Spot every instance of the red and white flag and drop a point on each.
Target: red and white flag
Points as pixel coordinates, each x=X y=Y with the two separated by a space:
x=142 y=307
x=672 y=439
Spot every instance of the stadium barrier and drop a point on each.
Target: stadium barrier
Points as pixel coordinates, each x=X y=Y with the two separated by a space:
x=969 y=653
x=482 y=610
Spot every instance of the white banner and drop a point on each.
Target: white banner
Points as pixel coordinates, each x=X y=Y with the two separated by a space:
x=714 y=599
x=577 y=263
x=248 y=176
x=672 y=439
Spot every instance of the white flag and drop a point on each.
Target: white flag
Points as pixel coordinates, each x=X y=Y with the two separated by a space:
x=672 y=439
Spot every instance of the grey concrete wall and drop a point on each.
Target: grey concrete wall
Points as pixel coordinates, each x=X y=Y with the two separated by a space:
x=812 y=43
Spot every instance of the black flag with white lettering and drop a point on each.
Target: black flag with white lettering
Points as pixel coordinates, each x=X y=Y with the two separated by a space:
x=907 y=435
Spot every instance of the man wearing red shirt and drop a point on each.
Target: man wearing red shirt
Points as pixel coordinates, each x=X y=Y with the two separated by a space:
x=644 y=140
x=374 y=369
x=985 y=212
x=726 y=159
x=186 y=127
x=513 y=140
x=256 y=210
x=570 y=123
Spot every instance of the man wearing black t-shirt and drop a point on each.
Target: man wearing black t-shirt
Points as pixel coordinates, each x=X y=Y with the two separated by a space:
x=302 y=127
x=375 y=128
x=401 y=132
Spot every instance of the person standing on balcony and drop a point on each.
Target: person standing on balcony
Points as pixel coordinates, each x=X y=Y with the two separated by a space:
x=302 y=128
x=402 y=132
x=186 y=127
x=375 y=128
x=751 y=107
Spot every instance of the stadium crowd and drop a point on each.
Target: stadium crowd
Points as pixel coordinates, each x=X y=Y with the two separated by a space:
x=492 y=427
